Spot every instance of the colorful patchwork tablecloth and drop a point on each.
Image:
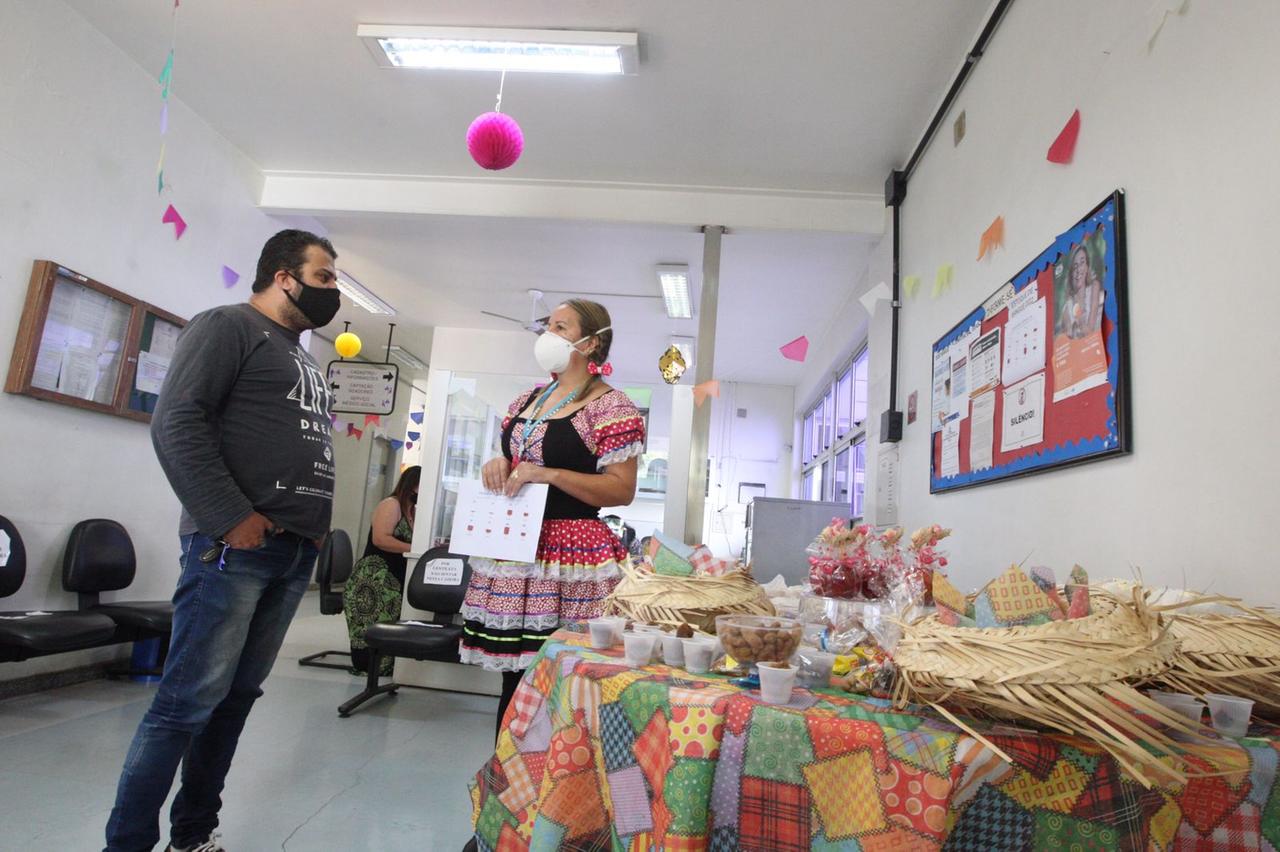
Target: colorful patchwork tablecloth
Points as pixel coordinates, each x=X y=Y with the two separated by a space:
x=595 y=754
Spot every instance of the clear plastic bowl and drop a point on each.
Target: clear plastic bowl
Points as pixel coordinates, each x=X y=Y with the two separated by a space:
x=758 y=638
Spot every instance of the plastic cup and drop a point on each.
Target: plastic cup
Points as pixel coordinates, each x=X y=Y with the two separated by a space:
x=1230 y=714
x=672 y=649
x=619 y=624
x=1180 y=703
x=697 y=655
x=815 y=669
x=603 y=632
x=638 y=647
x=776 y=682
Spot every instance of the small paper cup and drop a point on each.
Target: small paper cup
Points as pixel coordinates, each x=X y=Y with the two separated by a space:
x=638 y=647
x=776 y=682
x=672 y=650
x=697 y=655
x=602 y=632
x=1230 y=714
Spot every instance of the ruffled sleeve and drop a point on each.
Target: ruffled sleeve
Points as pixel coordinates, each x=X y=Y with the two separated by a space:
x=517 y=405
x=617 y=429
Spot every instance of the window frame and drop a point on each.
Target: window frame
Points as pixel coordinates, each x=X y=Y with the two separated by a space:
x=820 y=423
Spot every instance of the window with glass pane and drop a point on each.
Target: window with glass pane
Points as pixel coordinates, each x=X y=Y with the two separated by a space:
x=844 y=403
x=859 y=476
x=815 y=448
x=841 y=493
x=828 y=420
x=832 y=458
x=860 y=388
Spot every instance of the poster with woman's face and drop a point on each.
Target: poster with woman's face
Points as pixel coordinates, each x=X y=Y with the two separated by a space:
x=1079 y=352
x=1077 y=289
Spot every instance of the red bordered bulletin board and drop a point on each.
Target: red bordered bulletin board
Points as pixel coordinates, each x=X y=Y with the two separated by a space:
x=1040 y=369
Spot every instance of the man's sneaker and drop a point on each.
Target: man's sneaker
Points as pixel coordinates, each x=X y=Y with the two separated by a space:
x=210 y=845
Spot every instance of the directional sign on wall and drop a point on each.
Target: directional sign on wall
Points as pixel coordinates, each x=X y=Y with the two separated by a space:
x=362 y=388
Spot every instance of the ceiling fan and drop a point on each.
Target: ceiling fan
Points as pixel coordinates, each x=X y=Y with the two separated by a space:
x=536 y=324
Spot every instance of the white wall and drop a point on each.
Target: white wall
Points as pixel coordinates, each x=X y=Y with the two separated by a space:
x=1189 y=129
x=753 y=448
x=77 y=185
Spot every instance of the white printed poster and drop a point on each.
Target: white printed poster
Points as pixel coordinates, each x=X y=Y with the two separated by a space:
x=1023 y=414
x=959 y=405
x=941 y=399
x=496 y=526
x=951 y=448
x=887 y=485
x=982 y=431
x=1024 y=347
x=984 y=363
x=152 y=369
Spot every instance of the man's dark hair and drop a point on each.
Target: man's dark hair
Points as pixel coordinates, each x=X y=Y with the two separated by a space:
x=286 y=250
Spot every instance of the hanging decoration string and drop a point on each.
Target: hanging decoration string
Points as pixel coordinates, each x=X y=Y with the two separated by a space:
x=166 y=88
x=501 y=83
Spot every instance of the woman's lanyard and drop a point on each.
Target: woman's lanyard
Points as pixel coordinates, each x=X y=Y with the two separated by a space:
x=538 y=418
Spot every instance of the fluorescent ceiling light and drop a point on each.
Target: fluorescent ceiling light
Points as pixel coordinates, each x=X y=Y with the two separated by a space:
x=490 y=49
x=404 y=356
x=685 y=344
x=360 y=295
x=674 y=279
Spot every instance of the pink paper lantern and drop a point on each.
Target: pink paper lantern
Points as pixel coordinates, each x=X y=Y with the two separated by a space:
x=495 y=140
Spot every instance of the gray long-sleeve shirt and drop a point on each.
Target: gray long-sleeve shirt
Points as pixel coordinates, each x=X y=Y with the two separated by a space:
x=242 y=424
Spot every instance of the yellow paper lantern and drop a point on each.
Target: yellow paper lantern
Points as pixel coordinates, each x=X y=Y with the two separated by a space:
x=347 y=344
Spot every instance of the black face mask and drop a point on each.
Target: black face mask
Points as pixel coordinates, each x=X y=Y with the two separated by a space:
x=318 y=304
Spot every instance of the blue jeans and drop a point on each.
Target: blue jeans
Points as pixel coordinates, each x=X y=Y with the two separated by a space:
x=228 y=624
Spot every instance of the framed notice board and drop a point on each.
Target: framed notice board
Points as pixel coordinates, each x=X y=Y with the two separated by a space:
x=1036 y=377
x=84 y=344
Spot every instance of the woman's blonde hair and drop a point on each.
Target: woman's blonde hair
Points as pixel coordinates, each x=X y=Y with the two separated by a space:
x=592 y=317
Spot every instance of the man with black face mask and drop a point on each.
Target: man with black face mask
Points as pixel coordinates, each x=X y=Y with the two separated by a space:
x=242 y=432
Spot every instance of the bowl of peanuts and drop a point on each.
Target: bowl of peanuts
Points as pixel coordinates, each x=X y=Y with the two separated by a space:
x=758 y=638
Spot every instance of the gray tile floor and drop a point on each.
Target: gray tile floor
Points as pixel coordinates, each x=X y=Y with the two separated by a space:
x=393 y=776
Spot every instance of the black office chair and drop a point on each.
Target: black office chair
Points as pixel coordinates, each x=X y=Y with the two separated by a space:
x=23 y=636
x=333 y=567
x=624 y=531
x=435 y=640
x=100 y=558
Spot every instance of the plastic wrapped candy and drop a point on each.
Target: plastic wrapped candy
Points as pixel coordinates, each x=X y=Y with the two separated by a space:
x=838 y=560
x=924 y=558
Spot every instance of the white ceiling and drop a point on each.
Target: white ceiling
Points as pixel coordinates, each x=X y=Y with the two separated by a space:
x=821 y=97
x=442 y=271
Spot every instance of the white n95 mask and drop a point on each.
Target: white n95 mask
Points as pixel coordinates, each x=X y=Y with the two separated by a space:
x=553 y=352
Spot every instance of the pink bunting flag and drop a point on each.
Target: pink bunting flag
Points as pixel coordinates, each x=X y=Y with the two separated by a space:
x=704 y=390
x=171 y=215
x=1064 y=147
x=796 y=350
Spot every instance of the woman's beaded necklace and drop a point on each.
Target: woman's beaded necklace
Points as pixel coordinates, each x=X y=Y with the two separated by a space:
x=539 y=416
